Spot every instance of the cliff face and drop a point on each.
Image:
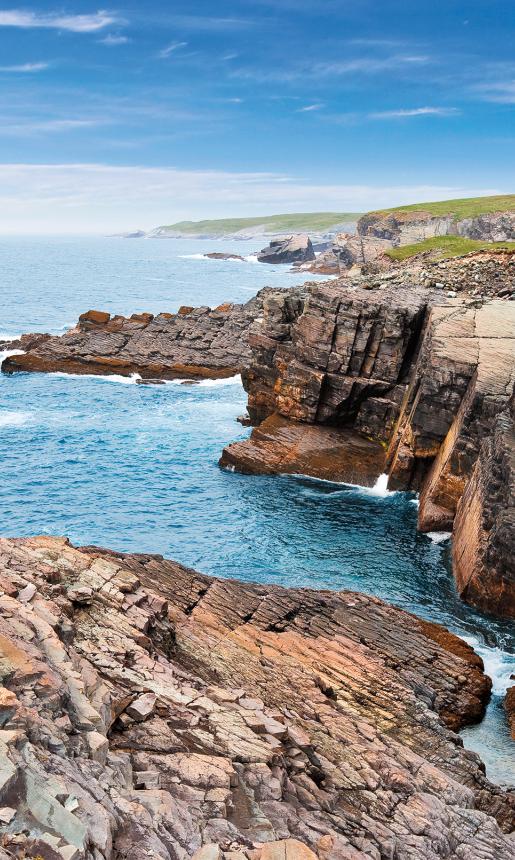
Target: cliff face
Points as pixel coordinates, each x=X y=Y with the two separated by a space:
x=148 y=710
x=195 y=342
x=484 y=561
x=406 y=228
x=396 y=380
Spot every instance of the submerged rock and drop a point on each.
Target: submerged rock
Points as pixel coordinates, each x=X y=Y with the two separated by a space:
x=176 y=715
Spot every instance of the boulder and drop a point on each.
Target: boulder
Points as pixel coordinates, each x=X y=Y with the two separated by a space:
x=294 y=249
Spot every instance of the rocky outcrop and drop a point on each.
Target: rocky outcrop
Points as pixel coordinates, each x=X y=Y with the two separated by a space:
x=294 y=249
x=406 y=227
x=331 y=356
x=484 y=528
x=221 y=255
x=339 y=373
x=148 y=710
x=195 y=342
x=348 y=250
x=462 y=380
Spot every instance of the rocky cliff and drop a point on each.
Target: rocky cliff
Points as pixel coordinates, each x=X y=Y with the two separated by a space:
x=195 y=342
x=150 y=711
x=408 y=227
x=403 y=380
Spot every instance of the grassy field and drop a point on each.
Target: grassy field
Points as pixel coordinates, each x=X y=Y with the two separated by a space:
x=449 y=246
x=297 y=222
x=469 y=207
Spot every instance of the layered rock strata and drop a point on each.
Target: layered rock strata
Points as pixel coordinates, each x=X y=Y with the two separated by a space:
x=293 y=249
x=484 y=561
x=409 y=227
x=148 y=710
x=331 y=356
x=424 y=376
x=195 y=342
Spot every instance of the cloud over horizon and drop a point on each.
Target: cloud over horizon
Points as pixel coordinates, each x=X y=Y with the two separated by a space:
x=99 y=198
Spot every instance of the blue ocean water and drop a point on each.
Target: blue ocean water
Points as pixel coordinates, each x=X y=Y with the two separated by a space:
x=106 y=461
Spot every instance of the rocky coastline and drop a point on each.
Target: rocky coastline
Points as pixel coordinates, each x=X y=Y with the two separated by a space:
x=148 y=710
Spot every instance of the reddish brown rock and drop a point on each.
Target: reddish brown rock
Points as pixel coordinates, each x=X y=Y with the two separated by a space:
x=280 y=446
x=509 y=706
x=484 y=528
x=268 y=722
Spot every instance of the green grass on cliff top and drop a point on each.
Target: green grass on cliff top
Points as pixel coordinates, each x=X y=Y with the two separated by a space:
x=300 y=221
x=468 y=207
x=449 y=246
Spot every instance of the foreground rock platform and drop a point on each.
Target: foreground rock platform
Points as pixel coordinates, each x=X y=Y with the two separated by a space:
x=148 y=710
x=194 y=343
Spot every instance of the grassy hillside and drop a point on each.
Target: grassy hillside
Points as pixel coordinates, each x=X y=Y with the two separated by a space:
x=469 y=207
x=297 y=222
x=449 y=246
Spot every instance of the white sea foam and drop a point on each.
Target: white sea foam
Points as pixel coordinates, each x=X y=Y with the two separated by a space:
x=112 y=377
x=499 y=664
x=13 y=419
x=4 y=336
x=439 y=537
x=379 y=489
x=206 y=383
x=5 y=353
x=193 y=257
x=251 y=258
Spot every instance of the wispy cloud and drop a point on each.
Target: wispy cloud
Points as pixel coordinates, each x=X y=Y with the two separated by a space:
x=309 y=108
x=174 y=46
x=50 y=126
x=403 y=113
x=209 y=23
x=112 y=40
x=25 y=68
x=54 y=20
x=499 y=92
x=43 y=198
x=337 y=68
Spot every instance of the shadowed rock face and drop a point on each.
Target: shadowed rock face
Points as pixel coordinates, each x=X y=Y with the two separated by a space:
x=196 y=342
x=295 y=249
x=339 y=374
x=148 y=710
x=484 y=561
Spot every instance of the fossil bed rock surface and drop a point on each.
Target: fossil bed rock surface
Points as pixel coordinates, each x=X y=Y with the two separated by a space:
x=148 y=710
x=195 y=342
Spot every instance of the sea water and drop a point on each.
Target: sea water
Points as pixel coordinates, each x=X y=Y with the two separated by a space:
x=106 y=461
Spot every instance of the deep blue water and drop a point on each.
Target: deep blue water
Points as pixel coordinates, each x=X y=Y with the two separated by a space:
x=134 y=467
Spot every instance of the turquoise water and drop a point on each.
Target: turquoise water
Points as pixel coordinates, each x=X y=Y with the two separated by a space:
x=106 y=461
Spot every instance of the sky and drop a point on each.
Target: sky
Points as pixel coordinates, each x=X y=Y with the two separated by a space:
x=144 y=114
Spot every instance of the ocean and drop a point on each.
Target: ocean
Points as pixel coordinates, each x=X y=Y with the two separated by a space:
x=105 y=461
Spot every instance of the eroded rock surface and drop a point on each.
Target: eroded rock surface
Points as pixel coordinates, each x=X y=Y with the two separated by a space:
x=294 y=249
x=148 y=710
x=195 y=342
x=408 y=227
x=484 y=561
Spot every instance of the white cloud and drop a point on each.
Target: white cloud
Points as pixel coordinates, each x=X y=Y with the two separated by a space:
x=309 y=108
x=408 y=112
x=51 y=125
x=499 y=92
x=113 y=40
x=25 y=68
x=97 y=198
x=174 y=46
x=54 y=20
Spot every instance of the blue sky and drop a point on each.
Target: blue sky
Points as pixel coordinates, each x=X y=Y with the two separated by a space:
x=142 y=114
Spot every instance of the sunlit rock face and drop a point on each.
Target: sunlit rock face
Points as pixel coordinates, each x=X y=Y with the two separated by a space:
x=149 y=708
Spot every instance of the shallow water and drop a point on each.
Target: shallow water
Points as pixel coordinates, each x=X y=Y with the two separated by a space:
x=106 y=461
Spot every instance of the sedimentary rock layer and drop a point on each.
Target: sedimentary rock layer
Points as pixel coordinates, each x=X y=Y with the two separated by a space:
x=405 y=228
x=195 y=342
x=148 y=710
x=484 y=561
